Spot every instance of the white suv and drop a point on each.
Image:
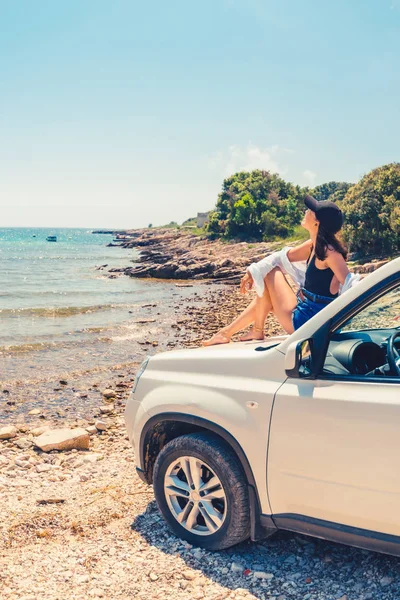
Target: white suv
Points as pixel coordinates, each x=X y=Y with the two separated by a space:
x=300 y=432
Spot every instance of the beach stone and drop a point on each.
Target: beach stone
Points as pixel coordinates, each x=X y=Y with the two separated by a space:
x=43 y=468
x=106 y=410
x=23 y=428
x=237 y=567
x=92 y=457
x=6 y=433
x=91 y=429
x=23 y=443
x=108 y=393
x=262 y=575
x=4 y=461
x=39 y=430
x=101 y=425
x=24 y=464
x=63 y=439
x=34 y=411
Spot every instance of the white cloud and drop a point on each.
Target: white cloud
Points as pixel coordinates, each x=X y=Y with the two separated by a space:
x=248 y=158
x=309 y=177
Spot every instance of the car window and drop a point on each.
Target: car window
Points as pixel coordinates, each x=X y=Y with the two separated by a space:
x=359 y=347
x=383 y=313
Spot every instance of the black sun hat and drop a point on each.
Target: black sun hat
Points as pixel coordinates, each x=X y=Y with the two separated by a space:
x=327 y=213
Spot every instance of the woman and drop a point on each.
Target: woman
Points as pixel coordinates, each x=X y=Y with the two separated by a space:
x=326 y=270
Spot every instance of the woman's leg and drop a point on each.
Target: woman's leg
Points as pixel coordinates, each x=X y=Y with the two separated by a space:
x=263 y=307
x=283 y=298
x=256 y=312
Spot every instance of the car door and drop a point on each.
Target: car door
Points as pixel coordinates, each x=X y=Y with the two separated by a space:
x=334 y=450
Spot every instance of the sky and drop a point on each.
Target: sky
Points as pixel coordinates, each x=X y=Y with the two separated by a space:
x=124 y=113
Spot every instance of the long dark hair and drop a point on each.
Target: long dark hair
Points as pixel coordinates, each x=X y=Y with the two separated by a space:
x=326 y=239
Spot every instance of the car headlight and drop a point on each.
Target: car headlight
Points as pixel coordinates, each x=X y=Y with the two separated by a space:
x=140 y=373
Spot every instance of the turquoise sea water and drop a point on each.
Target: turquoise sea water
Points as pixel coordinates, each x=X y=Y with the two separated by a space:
x=58 y=309
x=48 y=289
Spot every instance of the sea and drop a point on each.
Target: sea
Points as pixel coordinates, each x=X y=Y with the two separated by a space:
x=61 y=312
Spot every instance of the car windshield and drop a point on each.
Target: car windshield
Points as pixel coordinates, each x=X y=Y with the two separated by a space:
x=383 y=313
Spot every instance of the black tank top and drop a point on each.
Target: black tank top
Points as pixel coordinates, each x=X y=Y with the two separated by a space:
x=318 y=281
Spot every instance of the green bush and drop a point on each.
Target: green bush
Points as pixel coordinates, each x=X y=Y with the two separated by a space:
x=372 y=212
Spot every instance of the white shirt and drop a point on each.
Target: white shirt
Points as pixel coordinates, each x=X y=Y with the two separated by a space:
x=296 y=270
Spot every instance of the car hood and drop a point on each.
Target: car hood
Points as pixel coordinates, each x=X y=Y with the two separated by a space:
x=239 y=358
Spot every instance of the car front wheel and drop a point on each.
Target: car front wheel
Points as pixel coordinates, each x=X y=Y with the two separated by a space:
x=201 y=490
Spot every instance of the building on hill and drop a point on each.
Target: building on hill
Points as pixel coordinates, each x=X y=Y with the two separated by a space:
x=202 y=219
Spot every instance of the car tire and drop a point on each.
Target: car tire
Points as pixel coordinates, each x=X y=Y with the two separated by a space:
x=189 y=471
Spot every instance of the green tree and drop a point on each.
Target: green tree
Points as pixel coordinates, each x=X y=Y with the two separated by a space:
x=256 y=205
x=214 y=225
x=372 y=212
x=334 y=191
x=243 y=217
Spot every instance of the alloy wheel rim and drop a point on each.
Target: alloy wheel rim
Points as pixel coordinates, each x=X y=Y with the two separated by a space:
x=195 y=495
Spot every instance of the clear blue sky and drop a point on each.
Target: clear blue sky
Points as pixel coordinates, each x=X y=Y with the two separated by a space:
x=121 y=113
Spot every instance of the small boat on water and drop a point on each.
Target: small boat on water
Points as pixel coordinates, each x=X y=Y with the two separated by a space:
x=51 y=238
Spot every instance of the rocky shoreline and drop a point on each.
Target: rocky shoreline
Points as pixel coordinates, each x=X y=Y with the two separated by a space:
x=181 y=255
x=173 y=254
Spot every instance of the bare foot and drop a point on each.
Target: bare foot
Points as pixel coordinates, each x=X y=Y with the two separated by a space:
x=253 y=334
x=217 y=338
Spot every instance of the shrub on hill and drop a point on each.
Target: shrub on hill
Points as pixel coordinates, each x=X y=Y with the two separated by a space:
x=372 y=212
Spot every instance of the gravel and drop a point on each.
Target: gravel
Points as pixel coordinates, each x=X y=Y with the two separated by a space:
x=80 y=524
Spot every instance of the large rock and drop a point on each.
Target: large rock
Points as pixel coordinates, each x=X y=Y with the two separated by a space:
x=63 y=439
x=166 y=271
x=6 y=433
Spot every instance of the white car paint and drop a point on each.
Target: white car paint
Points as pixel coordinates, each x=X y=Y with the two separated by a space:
x=334 y=446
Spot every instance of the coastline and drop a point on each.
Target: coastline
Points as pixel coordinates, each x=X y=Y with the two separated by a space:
x=171 y=254
x=204 y=275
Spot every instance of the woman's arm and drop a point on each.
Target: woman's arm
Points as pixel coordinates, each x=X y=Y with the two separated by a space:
x=336 y=262
x=301 y=252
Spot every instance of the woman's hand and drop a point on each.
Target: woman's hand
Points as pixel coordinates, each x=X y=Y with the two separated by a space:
x=246 y=283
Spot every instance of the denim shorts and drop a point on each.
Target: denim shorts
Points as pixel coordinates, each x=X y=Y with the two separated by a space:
x=307 y=308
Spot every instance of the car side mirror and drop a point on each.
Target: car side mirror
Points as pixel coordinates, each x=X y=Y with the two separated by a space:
x=298 y=359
